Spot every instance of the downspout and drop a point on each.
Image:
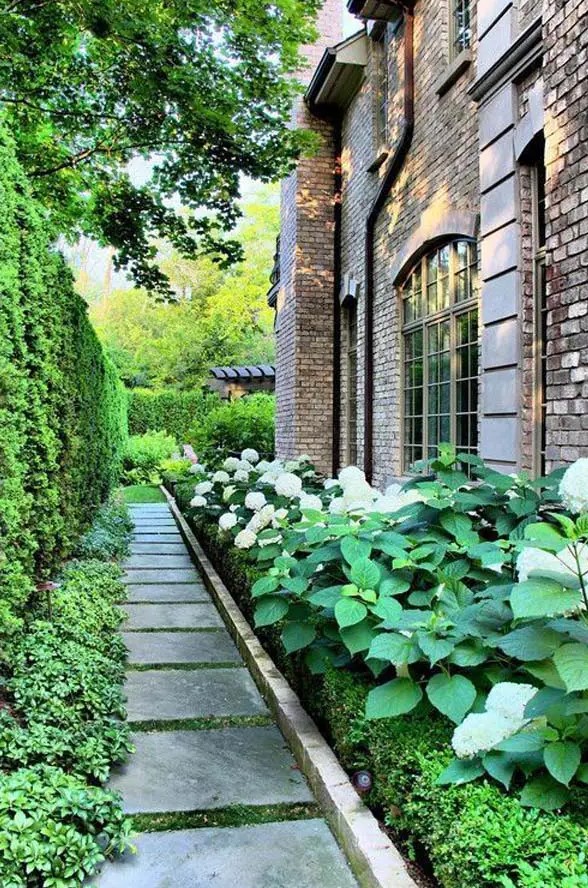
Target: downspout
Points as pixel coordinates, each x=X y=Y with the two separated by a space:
x=338 y=183
x=392 y=171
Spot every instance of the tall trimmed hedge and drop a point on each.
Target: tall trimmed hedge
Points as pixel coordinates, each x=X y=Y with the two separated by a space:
x=62 y=407
x=168 y=411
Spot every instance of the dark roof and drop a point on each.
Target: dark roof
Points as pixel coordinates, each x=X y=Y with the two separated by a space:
x=254 y=371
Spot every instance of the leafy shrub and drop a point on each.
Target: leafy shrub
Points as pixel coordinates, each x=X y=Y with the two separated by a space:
x=173 y=470
x=143 y=456
x=475 y=835
x=62 y=408
x=110 y=533
x=234 y=426
x=170 y=411
x=55 y=829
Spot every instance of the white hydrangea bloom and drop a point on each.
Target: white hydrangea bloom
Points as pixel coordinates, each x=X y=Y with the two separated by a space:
x=197 y=469
x=241 y=476
x=350 y=474
x=268 y=478
x=263 y=466
x=262 y=519
x=482 y=731
x=330 y=483
x=255 y=500
x=221 y=477
x=279 y=515
x=509 y=699
x=231 y=464
x=227 y=521
x=573 y=487
x=310 y=501
x=245 y=539
x=536 y=562
x=359 y=492
x=203 y=488
x=250 y=455
x=288 y=485
x=337 y=506
x=291 y=464
x=395 y=498
x=198 y=502
x=228 y=492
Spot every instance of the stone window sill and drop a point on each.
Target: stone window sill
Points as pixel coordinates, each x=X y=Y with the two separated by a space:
x=453 y=72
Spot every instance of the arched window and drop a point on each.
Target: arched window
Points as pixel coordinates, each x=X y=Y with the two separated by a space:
x=440 y=352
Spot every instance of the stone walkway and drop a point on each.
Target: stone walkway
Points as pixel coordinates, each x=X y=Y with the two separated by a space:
x=207 y=748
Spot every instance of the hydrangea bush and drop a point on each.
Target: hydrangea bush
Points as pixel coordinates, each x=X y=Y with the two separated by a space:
x=464 y=591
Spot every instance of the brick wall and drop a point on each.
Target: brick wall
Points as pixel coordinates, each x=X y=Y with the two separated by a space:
x=565 y=68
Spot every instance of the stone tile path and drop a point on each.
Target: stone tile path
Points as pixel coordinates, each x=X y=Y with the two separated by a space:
x=205 y=742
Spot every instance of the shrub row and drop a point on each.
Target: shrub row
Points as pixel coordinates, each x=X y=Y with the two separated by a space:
x=62 y=408
x=474 y=835
x=170 y=411
x=234 y=426
x=61 y=726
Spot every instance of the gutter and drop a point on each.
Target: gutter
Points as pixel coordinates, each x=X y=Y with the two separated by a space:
x=391 y=174
x=336 y=457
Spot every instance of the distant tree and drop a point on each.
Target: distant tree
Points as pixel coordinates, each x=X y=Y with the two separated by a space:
x=202 y=86
x=217 y=317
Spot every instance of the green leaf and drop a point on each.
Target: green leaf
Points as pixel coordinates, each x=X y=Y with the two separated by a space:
x=544 y=793
x=468 y=654
x=270 y=610
x=562 y=760
x=434 y=648
x=542 y=702
x=296 y=636
x=296 y=585
x=394 y=698
x=264 y=586
x=358 y=638
x=582 y=774
x=460 y=771
x=327 y=597
x=522 y=743
x=394 y=585
x=500 y=766
x=457 y=525
x=388 y=609
x=542 y=598
x=354 y=549
x=546 y=536
x=365 y=574
x=571 y=661
x=546 y=672
x=349 y=611
x=453 y=695
x=530 y=643
x=394 y=648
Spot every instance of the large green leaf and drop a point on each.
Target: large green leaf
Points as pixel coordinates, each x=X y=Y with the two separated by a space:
x=354 y=549
x=349 y=611
x=500 y=766
x=469 y=653
x=456 y=524
x=327 y=597
x=539 y=597
x=460 y=771
x=545 y=793
x=296 y=585
x=562 y=760
x=388 y=610
x=264 y=586
x=530 y=643
x=393 y=585
x=394 y=648
x=270 y=610
x=394 y=698
x=296 y=636
x=435 y=648
x=365 y=573
x=571 y=661
x=546 y=536
x=359 y=637
x=453 y=695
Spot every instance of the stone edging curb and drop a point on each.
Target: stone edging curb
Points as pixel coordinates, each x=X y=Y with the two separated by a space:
x=375 y=860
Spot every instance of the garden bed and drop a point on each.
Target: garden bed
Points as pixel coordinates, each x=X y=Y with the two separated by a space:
x=470 y=836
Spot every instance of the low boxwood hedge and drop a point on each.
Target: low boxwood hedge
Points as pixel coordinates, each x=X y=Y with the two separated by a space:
x=475 y=836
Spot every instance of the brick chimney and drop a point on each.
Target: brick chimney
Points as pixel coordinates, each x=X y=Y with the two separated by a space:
x=304 y=322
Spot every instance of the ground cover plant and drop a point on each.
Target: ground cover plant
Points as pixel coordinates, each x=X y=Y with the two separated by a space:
x=61 y=722
x=460 y=598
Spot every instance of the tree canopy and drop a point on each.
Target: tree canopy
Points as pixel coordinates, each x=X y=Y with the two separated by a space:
x=204 y=87
x=216 y=316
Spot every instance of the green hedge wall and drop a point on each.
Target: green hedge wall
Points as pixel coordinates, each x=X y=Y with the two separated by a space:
x=168 y=411
x=62 y=407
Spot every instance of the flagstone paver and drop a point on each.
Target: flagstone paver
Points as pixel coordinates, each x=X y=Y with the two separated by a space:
x=300 y=854
x=180 y=647
x=172 y=616
x=185 y=592
x=201 y=693
x=207 y=767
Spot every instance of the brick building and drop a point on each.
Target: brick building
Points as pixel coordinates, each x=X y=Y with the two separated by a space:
x=434 y=251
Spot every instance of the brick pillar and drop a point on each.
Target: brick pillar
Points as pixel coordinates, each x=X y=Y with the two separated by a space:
x=304 y=325
x=565 y=36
